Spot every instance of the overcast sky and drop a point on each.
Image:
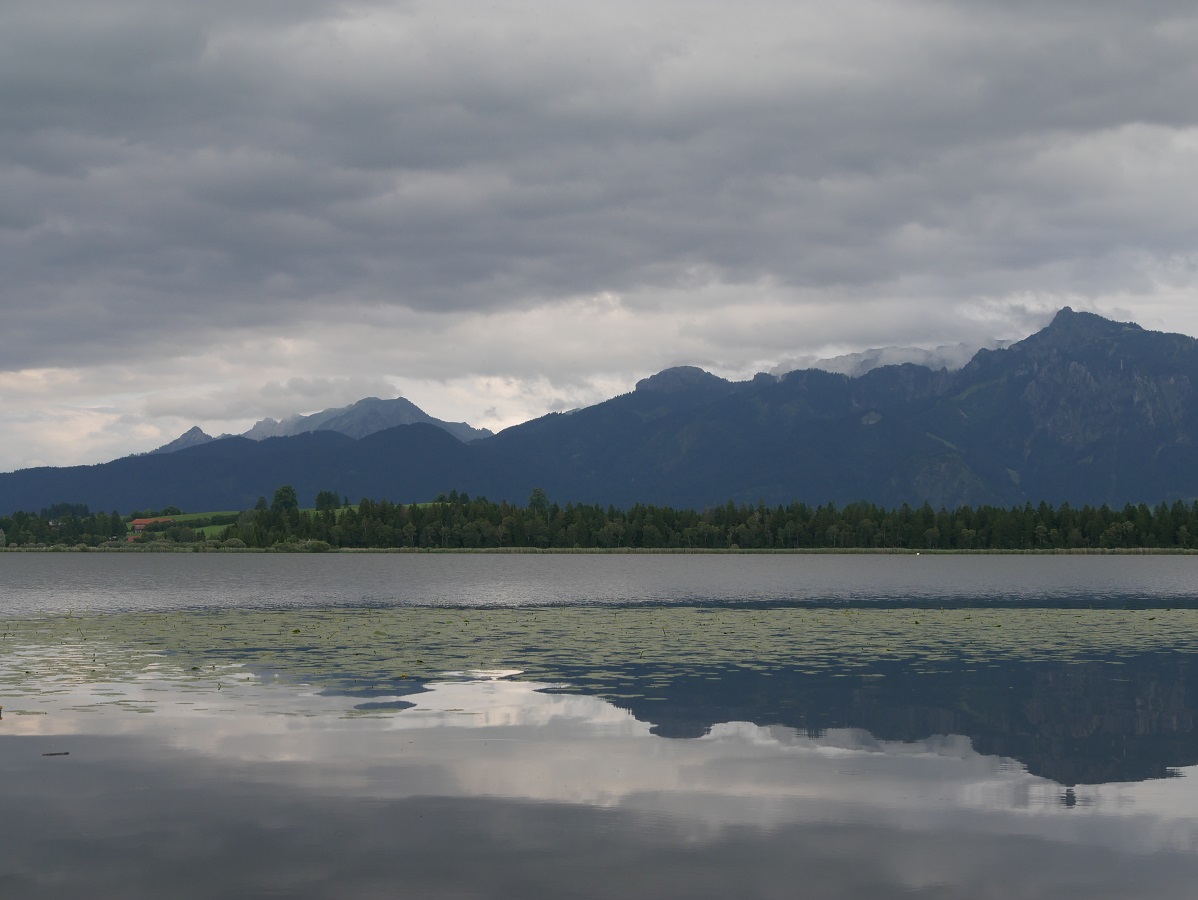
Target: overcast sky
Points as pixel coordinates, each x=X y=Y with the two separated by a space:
x=217 y=210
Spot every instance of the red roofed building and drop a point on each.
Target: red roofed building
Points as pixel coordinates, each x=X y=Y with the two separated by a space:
x=139 y=525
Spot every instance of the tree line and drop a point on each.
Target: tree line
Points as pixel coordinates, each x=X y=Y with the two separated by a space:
x=457 y=521
x=62 y=523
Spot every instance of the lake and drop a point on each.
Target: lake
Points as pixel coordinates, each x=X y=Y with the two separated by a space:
x=427 y=725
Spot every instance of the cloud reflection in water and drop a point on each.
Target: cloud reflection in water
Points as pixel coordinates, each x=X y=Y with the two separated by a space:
x=496 y=787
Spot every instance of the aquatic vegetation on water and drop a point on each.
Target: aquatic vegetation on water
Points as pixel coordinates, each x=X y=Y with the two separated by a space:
x=370 y=650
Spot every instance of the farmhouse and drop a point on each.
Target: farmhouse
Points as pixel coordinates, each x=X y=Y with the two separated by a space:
x=139 y=525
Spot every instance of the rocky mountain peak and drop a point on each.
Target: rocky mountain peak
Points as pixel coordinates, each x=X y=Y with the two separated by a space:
x=1076 y=328
x=193 y=437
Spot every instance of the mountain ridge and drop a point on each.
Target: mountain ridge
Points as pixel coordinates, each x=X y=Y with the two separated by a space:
x=1086 y=410
x=357 y=420
x=945 y=356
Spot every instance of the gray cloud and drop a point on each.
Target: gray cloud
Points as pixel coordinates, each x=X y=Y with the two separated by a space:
x=183 y=181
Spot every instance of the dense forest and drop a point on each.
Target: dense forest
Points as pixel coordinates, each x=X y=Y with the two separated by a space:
x=457 y=521
x=63 y=523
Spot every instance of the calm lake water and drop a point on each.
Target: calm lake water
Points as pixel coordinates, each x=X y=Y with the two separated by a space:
x=598 y=726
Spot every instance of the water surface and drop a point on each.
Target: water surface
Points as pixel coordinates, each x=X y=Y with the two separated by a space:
x=61 y=582
x=492 y=726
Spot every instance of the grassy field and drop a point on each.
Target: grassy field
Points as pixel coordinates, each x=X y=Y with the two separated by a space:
x=192 y=517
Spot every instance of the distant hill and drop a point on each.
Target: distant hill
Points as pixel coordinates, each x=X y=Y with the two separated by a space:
x=356 y=421
x=361 y=419
x=1086 y=411
x=407 y=461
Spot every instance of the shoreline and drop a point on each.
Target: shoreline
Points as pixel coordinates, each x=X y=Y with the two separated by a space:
x=629 y=551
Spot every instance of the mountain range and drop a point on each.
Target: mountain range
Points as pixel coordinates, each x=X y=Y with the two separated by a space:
x=356 y=421
x=1086 y=410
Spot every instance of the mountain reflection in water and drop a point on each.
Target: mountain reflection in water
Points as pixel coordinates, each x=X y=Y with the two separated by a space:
x=671 y=751
x=1084 y=722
